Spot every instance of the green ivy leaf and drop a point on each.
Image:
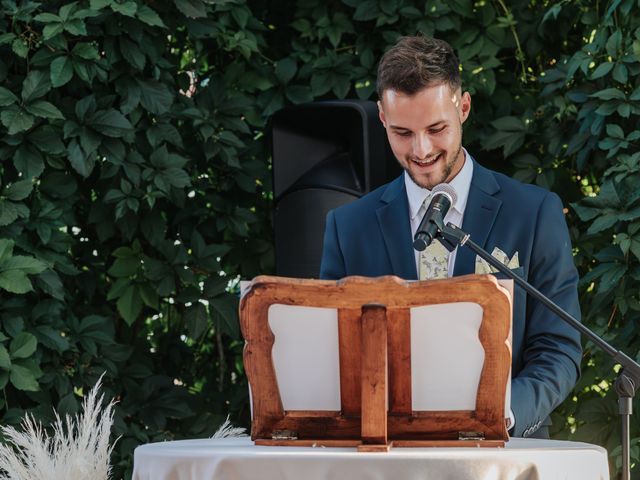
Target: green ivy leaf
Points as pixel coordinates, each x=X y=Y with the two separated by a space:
x=7 y=38
x=35 y=85
x=76 y=27
x=16 y=120
x=44 y=109
x=47 y=18
x=23 y=346
x=509 y=124
x=197 y=320
x=20 y=48
x=132 y=54
x=130 y=304
x=286 y=70
x=609 y=94
x=100 y=4
x=6 y=249
x=28 y=161
x=176 y=177
x=620 y=73
x=59 y=184
x=602 y=70
x=614 y=131
x=61 y=71
x=7 y=97
x=85 y=106
x=299 y=94
x=124 y=267
x=110 y=122
x=19 y=190
x=5 y=360
x=215 y=286
x=149 y=16
x=47 y=139
x=367 y=10
x=602 y=222
x=24 y=264
x=155 y=97
x=226 y=308
x=149 y=295
x=191 y=8
x=15 y=281
x=52 y=29
x=51 y=284
x=52 y=338
x=24 y=378
x=9 y=212
x=86 y=51
x=66 y=11
x=81 y=162
x=128 y=9
x=241 y=16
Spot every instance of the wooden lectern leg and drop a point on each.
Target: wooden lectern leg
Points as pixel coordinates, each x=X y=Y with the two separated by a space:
x=374 y=379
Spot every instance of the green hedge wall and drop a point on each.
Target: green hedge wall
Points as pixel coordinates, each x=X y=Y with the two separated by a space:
x=135 y=180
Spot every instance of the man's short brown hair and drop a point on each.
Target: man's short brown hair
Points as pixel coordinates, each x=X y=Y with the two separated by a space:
x=414 y=63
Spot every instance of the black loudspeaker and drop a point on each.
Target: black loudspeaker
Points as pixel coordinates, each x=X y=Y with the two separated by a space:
x=325 y=154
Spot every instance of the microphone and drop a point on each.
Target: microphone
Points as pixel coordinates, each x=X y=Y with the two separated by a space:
x=442 y=197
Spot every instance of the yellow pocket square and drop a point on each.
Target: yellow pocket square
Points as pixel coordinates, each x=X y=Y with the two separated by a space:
x=482 y=266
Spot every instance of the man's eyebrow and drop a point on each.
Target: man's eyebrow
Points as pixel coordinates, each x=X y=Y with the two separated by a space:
x=398 y=127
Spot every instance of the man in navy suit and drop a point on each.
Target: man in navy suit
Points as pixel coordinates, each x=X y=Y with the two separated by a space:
x=422 y=107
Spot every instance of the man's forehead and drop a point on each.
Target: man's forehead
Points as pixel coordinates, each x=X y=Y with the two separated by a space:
x=443 y=90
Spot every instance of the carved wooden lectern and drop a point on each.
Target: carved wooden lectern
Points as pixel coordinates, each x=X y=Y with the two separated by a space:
x=375 y=364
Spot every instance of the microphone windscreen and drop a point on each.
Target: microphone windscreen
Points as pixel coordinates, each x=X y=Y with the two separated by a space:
x=446 y=189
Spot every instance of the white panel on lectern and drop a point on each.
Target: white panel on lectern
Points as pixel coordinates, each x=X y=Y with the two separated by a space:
x=305 y=356
x=446 y=356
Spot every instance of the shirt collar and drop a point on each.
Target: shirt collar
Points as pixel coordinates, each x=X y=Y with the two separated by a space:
x=460 y=183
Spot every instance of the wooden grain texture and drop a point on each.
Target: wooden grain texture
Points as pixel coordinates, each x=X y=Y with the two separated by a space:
x=374 y=375
x=448 y=443
x=399 y=348
x=308 y=443
x=349 y=333
x=397 y=296
x=320 y=443
x=375 y=448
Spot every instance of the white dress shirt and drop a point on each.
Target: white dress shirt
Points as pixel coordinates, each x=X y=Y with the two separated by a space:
x=417 y=195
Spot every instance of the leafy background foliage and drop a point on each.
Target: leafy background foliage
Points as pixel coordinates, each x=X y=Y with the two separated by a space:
x=135 y=180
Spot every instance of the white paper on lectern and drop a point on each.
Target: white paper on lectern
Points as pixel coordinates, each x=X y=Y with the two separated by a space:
x=306 y=357
x=446 y=356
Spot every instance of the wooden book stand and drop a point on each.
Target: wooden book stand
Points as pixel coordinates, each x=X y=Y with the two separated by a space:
x=375 y=364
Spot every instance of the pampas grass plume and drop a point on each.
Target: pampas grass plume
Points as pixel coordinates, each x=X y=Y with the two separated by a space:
x=227 y=430
x=78 y=449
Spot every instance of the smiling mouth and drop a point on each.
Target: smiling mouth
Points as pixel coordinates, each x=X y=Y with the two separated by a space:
x=426 y=162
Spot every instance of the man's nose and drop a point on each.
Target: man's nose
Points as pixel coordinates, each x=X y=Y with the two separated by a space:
x=421 y=146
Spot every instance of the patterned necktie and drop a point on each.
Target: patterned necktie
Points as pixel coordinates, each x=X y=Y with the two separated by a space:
x=434 y=260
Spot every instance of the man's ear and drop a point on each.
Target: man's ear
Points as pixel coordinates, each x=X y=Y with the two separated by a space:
x=381 y=114
x=465 y=106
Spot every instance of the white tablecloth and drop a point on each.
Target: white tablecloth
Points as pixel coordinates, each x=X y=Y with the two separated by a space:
x=240 y=459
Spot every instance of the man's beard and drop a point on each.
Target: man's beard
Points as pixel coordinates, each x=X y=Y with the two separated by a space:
x=448 y=168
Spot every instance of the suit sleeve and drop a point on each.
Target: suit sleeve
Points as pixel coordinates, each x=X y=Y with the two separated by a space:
x=332 y=265
x=552 y=350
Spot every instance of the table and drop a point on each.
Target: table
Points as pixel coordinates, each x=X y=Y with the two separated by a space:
x=240 y=459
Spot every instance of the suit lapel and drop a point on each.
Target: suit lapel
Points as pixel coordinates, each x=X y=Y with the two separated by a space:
x=393 y=218
x=479 y=216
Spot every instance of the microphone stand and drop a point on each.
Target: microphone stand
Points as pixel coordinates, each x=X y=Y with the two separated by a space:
x=628 y=378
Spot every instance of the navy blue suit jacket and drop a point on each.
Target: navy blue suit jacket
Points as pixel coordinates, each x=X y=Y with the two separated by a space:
x=372 y=237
